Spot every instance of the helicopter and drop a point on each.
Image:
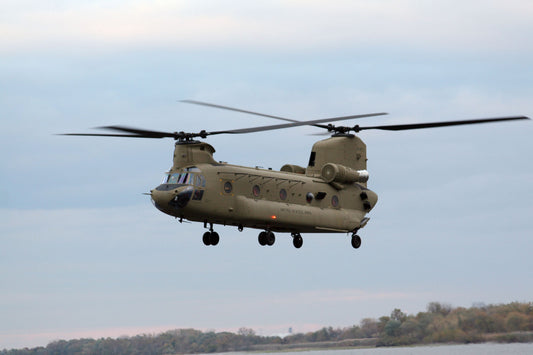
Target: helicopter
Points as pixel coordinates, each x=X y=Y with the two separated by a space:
x=330 y=195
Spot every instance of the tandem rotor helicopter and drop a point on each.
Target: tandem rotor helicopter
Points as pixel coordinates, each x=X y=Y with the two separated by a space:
x=330 y=195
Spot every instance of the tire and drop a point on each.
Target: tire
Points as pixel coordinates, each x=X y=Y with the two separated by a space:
x=215 y=238
x=262 y=239
x=298 y=241
x=271 y=238
x=356 y=241
x=207 y=238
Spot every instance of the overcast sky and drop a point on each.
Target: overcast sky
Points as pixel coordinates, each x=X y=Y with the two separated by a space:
x=84 y=254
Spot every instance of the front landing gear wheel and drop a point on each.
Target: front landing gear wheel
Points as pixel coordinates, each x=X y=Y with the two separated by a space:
x=356 y=241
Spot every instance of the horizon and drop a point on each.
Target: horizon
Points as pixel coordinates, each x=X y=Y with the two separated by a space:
x=274 y=331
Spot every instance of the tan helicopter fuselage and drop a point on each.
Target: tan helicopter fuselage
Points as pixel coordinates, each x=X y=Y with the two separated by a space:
x=330 y=195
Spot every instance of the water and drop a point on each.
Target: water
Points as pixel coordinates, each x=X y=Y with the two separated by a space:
x=471 y=349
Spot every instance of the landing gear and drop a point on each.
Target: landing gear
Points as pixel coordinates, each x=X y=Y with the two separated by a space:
x=211 y=237
x=297 y=240
x=262 y=239
x=266 y=238
x=356 y=241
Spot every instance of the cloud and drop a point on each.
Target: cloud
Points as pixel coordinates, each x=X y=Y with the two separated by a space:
x=445 y=25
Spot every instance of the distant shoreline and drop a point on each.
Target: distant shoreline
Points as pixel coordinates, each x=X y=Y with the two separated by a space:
x=370 y=343
x=440 y=324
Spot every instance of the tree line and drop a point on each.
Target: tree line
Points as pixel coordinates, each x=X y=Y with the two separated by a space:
x=440 y=323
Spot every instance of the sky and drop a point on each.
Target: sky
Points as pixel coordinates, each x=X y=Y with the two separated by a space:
x=84 y=254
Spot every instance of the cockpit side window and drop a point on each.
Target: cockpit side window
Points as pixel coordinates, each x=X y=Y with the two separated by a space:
x=199 y=180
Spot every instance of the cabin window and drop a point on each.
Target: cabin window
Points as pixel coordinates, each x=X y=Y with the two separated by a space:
x=334 y=201
x=228 y=187
x=320 y=195
x=283 y=194
x=256 y=191
x=312 y=159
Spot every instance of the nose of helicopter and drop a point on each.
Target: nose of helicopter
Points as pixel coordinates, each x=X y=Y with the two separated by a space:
x=168 y=201
x=160 y=199
x=372 y=198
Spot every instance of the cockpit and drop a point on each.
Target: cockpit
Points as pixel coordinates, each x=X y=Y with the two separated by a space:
x=191 y=176
x=185 y=179
x=177 y=189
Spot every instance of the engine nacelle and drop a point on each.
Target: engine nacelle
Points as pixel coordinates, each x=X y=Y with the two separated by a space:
x=291 y=168
x=342 y=174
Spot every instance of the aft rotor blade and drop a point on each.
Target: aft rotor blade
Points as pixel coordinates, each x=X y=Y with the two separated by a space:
x=201 y=103
x=403 y=127
x=208 y=104
x=293 y=124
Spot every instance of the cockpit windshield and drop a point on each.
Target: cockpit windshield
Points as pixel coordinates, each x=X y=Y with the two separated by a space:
x=183 y=178
x=191 y=176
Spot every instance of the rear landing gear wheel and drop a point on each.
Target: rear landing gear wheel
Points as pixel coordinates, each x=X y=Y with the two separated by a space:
x=356 y=241
x=271 y=238
x=215 y=238
x=262 y=238
x=207 y=238
x=297 y=240
x=211 y=238
x=266 y=238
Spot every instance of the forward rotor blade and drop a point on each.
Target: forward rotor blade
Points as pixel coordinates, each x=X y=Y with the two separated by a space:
x=293 y=124
x=328 y=133
x=403 y=127
x=144 y=133
x=135 y=133
x=105 y=135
